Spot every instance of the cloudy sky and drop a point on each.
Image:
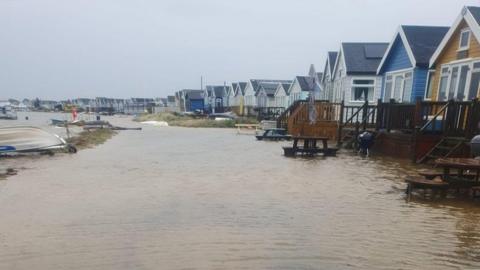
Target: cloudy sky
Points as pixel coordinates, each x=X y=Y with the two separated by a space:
x=150 y=48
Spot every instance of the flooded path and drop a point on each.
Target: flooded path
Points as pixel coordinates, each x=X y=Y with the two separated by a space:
x=176 y=198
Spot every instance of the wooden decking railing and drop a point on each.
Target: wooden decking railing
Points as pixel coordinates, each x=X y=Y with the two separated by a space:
x=364 y=115
x=395 y=116
x=324 y=111
x=325 y=119
x=452 y=118
x=282 y=120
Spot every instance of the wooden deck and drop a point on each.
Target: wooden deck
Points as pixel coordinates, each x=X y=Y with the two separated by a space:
x=419 y=131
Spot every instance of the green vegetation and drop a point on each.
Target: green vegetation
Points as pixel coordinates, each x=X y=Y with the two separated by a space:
x=91 y=138
x=174 y=119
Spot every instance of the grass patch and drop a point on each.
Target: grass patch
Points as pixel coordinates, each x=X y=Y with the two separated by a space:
x=91 y=138
x=178 y=120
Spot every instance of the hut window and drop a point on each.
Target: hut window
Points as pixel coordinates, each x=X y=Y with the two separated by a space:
x=443 y=85
x=398 y=86
x=464 y=40
x=428 y=94
x=397 y=89
x=453 y=83
x=362 y=90
x=407 y=87
x=388 y=88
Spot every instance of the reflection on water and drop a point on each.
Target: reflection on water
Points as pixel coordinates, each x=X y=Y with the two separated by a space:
x=173 y=198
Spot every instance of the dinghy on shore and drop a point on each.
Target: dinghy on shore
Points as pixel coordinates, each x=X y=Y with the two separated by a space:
x=31 y=139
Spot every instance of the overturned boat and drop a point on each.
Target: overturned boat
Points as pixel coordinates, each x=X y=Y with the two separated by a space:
x=31 y=139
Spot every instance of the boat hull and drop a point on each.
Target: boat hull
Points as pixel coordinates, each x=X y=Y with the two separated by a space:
x=29 y=139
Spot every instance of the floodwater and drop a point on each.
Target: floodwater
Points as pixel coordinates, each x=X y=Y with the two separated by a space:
x=178 y=198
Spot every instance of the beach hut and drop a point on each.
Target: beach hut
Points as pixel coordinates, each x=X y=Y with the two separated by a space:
x=327 y=78
x=281 y=95
x=191 y=100
x=301 y=88
x=266 y=95
x=237 y=103
x=215 y=96
x=317 y=76
x=355 y=77
x=230 y=97
x=404 y=67
x=250 y=96
x=455 y=64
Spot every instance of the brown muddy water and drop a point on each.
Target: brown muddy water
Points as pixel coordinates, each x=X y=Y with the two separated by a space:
x=178 y=198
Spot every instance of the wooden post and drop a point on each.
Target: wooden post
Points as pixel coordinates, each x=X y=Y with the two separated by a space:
x=449 y=120
x=417 y=123
x=473 y=119
x=389 y=119
x=357 y=132
x=364 y=115
x=340 y=124
x=379 y=113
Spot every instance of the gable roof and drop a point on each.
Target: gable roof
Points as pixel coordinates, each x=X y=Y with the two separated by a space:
x=469 y=14
x=420 y=42
x=329 y=65
x=234 y=87
x=319 y=77
x=256 y=83
x=268 y=87
x=242 y=86
x=362 y=58
x=286 y=86
x=193 y=94
x=424 y=40
x=217 y=90
x=475 y=11
x=306 y=83
x=332 y=58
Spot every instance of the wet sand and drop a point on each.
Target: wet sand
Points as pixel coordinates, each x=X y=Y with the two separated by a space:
x=178 y=198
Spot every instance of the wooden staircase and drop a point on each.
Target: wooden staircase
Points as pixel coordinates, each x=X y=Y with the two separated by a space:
x=446 y=147
x=457 y=122
x=358 y=119
x=282 y=120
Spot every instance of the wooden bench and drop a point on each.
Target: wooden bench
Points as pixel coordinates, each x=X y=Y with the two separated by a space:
x=247 y=127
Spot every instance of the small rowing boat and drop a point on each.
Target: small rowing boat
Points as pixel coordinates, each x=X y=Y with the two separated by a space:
x=30 y=139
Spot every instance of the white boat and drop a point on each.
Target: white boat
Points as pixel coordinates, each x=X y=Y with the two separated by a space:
x=30 y=139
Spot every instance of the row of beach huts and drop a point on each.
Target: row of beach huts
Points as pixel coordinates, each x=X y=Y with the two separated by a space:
x=418 y=93
x=435 y=63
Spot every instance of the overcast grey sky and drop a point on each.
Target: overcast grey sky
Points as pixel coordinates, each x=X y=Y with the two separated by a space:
x=150 y=48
